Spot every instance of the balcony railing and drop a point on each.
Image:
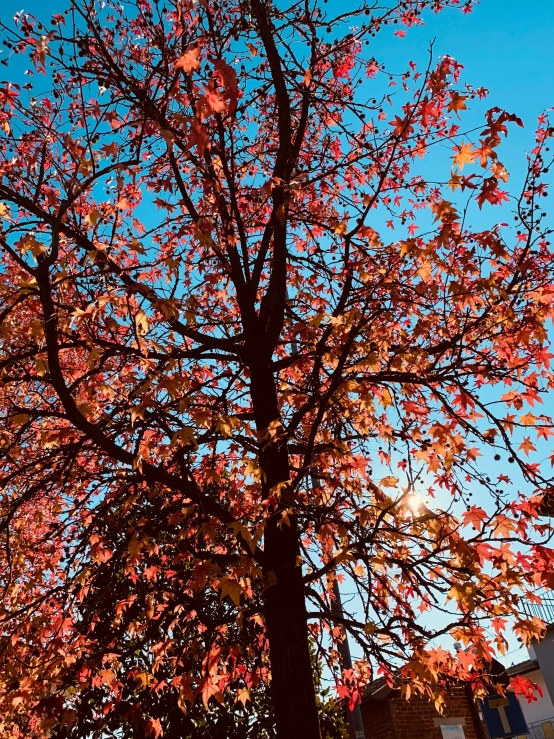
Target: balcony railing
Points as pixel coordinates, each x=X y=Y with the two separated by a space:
x=544 y=611
x=540 y=730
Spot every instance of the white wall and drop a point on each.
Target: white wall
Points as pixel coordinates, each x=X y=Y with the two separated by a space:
x=541 y=709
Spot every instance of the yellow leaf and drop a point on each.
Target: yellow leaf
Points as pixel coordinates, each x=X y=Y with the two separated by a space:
x=93 y=217
x=425 y=271
x=143 y=679
x=19 y=419
x=454 y=182
x=141 y=320
x=252 y=468
x=463 y=594
x=41 y=366
x=386 y=398
x=29 y=243
x=184 y=436
x=150 y=608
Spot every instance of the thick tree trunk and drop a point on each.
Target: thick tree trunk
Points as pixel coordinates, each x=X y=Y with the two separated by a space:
x=292 y=684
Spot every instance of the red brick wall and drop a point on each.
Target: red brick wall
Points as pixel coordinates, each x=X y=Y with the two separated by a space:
x=377 y=719
x=393 y=717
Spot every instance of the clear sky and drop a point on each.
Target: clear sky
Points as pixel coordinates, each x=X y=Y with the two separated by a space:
x=506 y=46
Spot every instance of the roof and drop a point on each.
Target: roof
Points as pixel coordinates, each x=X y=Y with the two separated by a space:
x=376 y=690
x=529 y=665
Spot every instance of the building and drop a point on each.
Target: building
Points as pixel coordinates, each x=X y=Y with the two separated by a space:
x=540 y=669
x=388 y=715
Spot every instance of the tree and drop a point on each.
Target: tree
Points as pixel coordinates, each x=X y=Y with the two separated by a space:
x=200 y=308
x=148 y=695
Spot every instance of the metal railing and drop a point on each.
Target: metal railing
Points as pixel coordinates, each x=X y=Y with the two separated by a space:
x=544 y=610
x=540 y=730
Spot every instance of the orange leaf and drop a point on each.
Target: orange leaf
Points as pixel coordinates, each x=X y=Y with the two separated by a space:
x=457 y=102
x=465 y=155
x=189 y=61
x=154 y=727
x=243 y=695
x=527 y=445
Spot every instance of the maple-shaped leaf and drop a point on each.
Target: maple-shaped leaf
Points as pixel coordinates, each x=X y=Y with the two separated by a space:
x=466 y=659
x=475 y=516
x=153 y=728
x=93 y=217
x=544 y=432
x=465 y=155
x=211 y=101
x=457 y=102
x=209 y=688
x=189 y=61
x=527 y=446
x=498 y=624
x=522 y=686
x=243 y=695
x=454 y=182
x=231 y=588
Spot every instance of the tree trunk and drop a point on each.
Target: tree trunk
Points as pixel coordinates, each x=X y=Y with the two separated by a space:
x=292 y=683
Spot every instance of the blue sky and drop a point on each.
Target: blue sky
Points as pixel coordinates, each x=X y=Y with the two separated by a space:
x=505 y=46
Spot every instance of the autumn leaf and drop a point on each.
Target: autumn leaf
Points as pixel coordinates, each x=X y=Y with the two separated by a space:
x=455 y=182
x=227 y=77
x=154 y=728
x=464 y=155
x=229 y=587
x=425 y=271
x=209 y=688
x=93 y=217
x=464 y=594
x=527 y=446
x=243 y=695
x=475 y=516
x=457 y=102
x=189 y=61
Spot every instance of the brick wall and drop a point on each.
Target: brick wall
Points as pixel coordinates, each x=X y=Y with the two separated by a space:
x=377 y=719
x=393 y=717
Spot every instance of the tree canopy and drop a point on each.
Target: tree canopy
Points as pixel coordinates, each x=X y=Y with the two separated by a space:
x=242 y=329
